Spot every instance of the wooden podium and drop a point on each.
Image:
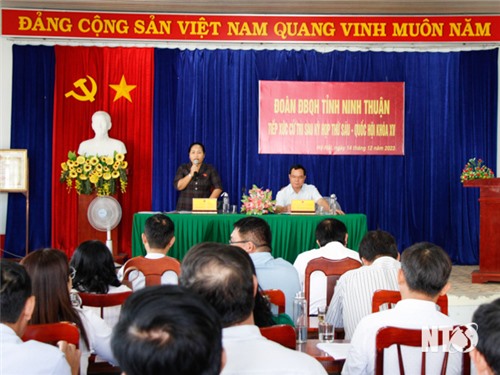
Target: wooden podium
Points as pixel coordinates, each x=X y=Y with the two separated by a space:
x=489 y=229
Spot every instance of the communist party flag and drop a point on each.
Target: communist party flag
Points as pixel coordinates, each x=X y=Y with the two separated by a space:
x=120 y=82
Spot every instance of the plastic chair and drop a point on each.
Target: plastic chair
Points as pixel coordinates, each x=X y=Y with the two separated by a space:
x=276 y=297
x=333 y=269
x=387 y=336
x=51 y=333
x=391 y=297
x=152 y=269
x=103 y=300
x=282 y=334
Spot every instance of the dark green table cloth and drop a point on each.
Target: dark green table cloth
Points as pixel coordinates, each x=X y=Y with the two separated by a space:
x=292 y=234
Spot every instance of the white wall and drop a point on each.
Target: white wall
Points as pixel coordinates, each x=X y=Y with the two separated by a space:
x=5 y=112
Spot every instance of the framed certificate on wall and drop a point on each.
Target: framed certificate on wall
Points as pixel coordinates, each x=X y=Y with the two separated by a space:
x=14 y=170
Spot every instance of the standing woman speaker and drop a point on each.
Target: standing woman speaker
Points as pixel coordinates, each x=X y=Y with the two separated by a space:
x=196 y=179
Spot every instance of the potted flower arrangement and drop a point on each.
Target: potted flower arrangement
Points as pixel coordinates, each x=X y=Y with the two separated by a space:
x=475 y=169
x=258 y=201
x=103 y=175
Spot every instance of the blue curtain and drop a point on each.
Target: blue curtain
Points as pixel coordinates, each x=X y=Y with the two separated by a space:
x=32 y=108
x=450 y=116
x=212 y=96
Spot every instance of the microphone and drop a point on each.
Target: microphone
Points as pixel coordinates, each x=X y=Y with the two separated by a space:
x=196 y=162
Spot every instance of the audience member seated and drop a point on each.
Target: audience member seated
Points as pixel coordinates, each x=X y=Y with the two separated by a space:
x=298 y=189
x=158 y=238
x=95 y=272
x=50 y=274
x=352 y=299
x=423 y=277
x=16 y=307
x=331 y=237
x=253 y=235
x=264 y=314
x=486 y=355
x=223 y=275
x=165 y=329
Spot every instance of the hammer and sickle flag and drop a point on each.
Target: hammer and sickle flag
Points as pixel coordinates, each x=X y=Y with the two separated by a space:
x=89 y=79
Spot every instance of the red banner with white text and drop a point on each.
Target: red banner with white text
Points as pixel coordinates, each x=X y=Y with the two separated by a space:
x=331 y=118
x=40 y=23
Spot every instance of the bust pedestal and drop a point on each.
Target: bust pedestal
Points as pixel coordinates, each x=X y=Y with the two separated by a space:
x=88 y=232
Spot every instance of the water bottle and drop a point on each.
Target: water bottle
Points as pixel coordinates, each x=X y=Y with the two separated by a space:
x=333 y=204
x=300 y=317
x=225 y=203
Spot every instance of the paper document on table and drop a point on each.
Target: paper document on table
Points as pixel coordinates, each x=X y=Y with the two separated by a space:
x=336 y=350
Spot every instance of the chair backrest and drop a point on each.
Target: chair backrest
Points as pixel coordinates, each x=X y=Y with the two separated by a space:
x=391 y=297
x=152 y=269
x=283 y=334
x=388 y=336
x=103 y=300
x=53 y=332
x=276 y=297
x=333 y=269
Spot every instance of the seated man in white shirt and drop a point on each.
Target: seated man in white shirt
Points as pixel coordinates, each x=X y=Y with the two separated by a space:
x=486 y=354
x=158 y=238
x=223 y=275
x=352 y=299
x=423 y=277
x=298 y=189
x=331 y=236
x=16 y=308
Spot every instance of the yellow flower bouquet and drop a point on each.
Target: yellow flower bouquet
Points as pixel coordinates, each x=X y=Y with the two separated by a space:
x=100 y=174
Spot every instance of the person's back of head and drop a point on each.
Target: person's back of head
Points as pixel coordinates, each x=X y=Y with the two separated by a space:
x=223 y=275
x=256 y=230
x=330 y=230
x=486 y=355
x=166 y=329
x=378 y=243
x=94 y=268
x=159 y=231
x=15 y=289
x=50 y=274
x=426 y=268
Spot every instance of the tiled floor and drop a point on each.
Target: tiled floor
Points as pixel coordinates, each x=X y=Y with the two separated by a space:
x=464 y=297
x=462 y=286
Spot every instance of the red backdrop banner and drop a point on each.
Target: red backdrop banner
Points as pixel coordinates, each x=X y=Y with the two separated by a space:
x=331 y=118
x=250 y=28
x=120 y=82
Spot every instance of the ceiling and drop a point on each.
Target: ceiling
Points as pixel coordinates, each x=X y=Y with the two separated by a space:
x=366 y=7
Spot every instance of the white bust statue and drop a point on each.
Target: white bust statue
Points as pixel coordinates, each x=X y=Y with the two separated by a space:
x=101 y=144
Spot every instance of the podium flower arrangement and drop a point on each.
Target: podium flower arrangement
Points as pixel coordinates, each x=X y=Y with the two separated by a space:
x=103 y=175
x=258 y=201
x=475 y=169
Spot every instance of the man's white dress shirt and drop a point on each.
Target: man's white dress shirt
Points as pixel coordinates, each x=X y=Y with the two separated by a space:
x=287 y=194
x=332 y=250
x=248 y=352
x=31 y=357
x=139 y=281
x=408 y=313
x=352 y=299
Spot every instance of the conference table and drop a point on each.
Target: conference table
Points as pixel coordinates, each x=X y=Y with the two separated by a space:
x=331 y=365
x=292 y=234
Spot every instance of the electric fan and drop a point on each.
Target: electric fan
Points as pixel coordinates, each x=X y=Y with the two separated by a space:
x=104 y=214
